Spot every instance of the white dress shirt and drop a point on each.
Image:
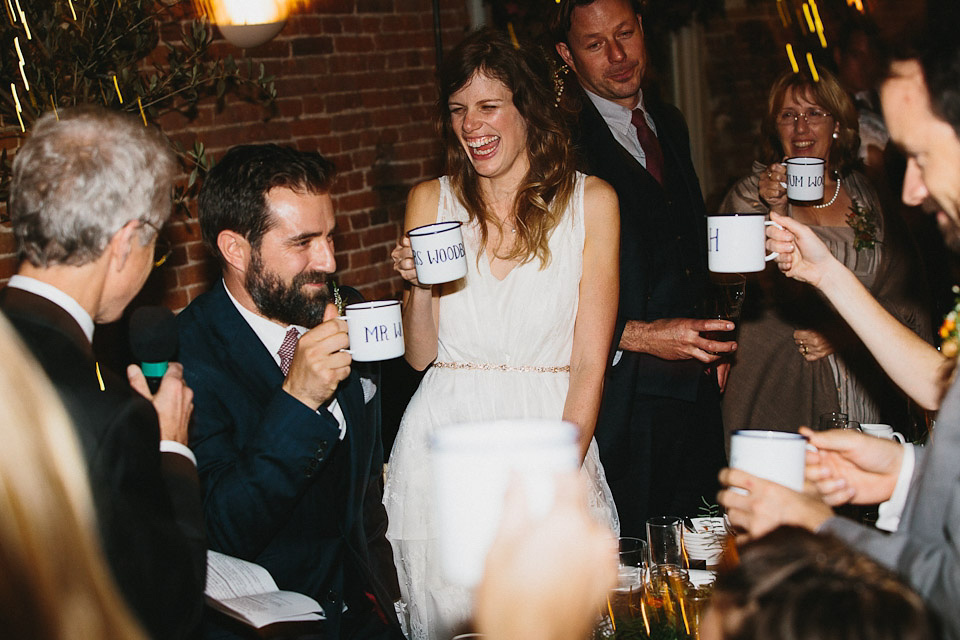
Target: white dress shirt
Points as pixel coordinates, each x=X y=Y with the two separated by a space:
x=620 y=122
x=891 y=510
x=57 y=297
x=271 y=334
x=78 y=313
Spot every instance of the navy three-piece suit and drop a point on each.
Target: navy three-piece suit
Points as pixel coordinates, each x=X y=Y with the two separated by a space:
x=279 y=487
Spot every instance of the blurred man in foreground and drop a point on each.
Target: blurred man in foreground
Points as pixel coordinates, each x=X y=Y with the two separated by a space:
x=919 y=488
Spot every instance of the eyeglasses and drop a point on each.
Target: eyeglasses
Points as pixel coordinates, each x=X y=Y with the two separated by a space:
x=161 y=248
x=810 y=116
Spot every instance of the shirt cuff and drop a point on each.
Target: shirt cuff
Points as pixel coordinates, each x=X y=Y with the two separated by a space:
x=172 y=446
x=891 y=510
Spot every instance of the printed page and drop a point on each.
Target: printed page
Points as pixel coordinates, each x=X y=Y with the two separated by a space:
x=267 y=608
x=229 y=577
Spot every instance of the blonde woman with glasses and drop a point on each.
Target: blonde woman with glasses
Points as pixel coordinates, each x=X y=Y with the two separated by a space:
x=797 y=359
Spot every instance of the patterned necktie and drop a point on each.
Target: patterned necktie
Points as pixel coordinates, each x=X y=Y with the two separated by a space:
x=287 y=349
x=650 y=144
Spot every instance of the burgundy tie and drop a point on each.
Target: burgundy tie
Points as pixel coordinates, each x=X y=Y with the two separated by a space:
x=287 y=349
x=650 y=144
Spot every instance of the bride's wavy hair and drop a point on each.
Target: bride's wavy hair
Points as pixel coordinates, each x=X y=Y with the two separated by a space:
x=549 y=183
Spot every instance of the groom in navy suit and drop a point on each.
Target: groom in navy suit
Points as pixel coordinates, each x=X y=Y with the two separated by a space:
x=287 y=438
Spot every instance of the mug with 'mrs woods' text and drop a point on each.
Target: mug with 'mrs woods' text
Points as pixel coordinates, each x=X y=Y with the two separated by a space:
x=438 y=253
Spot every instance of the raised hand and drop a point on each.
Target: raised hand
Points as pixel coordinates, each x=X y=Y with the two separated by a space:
x=546 y=578
x=403 y=262
x=320 y=361
x=850 y=466
x=767 y=505
x=173 y=401
x=773 y=188
x=803 y=256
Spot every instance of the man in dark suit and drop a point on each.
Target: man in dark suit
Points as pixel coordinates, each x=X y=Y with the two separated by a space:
x=659 y=431
x=88 y=195
x=286 y=437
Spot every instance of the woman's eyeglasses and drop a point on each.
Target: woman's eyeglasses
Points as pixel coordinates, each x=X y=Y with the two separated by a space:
x=810 y=116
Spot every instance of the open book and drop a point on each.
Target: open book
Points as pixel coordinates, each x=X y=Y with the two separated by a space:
x=247 y=592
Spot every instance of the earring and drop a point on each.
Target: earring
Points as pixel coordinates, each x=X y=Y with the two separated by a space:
x=835 y=135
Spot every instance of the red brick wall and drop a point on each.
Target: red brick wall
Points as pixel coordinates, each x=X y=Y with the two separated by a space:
x=355 y=81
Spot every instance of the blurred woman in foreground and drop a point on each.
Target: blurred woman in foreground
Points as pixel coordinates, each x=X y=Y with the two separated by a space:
x=54 y=582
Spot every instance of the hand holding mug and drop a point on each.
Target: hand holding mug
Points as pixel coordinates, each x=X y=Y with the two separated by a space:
x=849 y=466
x=320 y=361
x=802 y=255
x=559 y=568
x=403 y=262
x=760 y=506
x=773 y=188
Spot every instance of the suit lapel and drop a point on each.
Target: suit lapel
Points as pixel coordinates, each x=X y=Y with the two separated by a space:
x=668 y=142
x=249 y=357
x=256 y=365
x=594 y=128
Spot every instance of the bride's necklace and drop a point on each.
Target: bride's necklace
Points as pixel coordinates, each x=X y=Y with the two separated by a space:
x=832 y=200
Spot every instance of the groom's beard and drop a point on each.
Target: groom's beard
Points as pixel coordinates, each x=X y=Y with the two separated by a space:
x=295 y=303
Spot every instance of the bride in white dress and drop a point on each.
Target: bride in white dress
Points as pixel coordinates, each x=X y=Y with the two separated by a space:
x=526 y=333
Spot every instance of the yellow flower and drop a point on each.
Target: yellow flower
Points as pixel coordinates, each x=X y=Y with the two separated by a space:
x=949 y=349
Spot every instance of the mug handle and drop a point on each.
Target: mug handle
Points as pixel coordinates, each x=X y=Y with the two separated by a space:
x=899 y=437
x=773 y=255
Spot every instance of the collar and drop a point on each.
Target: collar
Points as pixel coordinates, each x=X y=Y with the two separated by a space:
x=618 y=116
x=271 y=333
x=57 y=297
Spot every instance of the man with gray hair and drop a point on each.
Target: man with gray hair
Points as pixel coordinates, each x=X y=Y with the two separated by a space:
x=89 y=193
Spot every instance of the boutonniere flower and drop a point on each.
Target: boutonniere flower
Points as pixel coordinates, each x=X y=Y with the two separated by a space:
x=949 y=336
x=863 y=221
x=337 y=299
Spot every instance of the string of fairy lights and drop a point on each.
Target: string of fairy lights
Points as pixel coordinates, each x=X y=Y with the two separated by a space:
x=17 y=15
x=807 y=16
x=221 y=11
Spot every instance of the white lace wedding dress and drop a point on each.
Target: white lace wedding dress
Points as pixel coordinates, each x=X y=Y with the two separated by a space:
x=524 y=322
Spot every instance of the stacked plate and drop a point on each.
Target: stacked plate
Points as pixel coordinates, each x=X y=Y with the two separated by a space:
x=705 y=542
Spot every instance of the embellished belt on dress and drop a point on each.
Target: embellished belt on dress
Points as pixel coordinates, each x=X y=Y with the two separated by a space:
x=483 y=366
